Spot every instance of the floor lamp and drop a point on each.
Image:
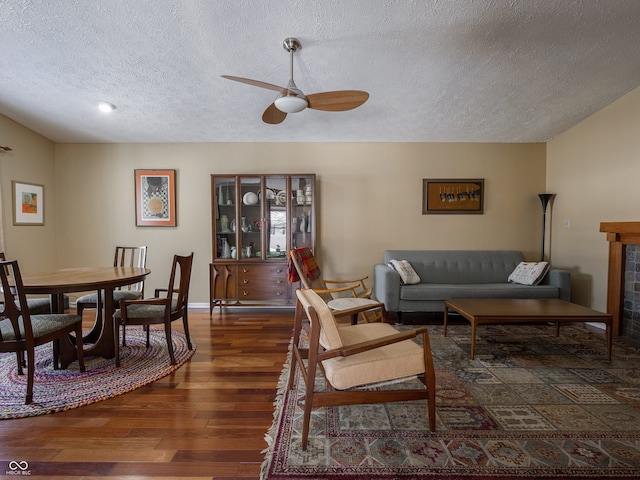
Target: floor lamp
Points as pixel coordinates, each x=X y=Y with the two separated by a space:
x=545 y=198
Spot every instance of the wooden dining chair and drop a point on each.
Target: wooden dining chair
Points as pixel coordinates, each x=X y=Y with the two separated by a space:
x=158 y=310
x=37 y=305
x=350 y=356
x=21 y=332
x=340 y=295
x=124 y=257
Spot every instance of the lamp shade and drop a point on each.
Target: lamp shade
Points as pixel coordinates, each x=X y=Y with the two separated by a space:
x=291 y=103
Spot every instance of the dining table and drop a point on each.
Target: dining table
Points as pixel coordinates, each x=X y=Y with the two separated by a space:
x=99 y=341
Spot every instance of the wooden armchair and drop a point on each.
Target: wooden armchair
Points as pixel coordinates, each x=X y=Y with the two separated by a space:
x=20 y=331
x=159 y=310
x=357 y=355
x=353 y=293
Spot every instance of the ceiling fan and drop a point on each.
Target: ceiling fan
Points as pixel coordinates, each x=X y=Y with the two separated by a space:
x=292 y=100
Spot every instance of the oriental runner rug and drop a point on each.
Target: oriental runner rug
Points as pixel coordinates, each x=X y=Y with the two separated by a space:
x=57 y=390
x=531 y=405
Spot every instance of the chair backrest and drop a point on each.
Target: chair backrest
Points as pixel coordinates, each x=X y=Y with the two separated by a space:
x=307 y=268
x=329 y=334
x=14 y=301
x=179 y=281
x=131 y=257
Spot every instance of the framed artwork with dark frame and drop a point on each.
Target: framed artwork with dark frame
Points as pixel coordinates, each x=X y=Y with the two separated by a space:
x=28 y=203
x=155 y=198
x=441 y=196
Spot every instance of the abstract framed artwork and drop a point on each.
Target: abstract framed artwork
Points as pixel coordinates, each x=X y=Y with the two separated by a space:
x=28 y=203
x=155 y=198
x=441 y=196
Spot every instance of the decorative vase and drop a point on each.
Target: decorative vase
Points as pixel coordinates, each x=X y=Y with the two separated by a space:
x=303 y=223
x=224 y=224
x=294 y=224
x=221 y=199
x=245 y=226
x=226 y=249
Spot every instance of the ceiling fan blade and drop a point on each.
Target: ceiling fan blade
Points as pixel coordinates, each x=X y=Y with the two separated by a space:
x=273 y=116
x=257 y=83
x=337 y=101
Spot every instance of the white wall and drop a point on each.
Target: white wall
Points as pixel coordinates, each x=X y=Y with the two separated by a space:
x=595 y=170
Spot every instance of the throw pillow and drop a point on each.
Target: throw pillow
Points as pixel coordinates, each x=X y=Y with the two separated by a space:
x=408 y=275
x=529 y=273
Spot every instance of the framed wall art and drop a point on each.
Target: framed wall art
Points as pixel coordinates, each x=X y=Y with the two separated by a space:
x=155 y=198
x=464 y=196
x=28 y=203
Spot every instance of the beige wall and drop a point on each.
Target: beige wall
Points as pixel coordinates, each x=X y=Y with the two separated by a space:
x=595 y=169
x=30 y=161
x=369 y=196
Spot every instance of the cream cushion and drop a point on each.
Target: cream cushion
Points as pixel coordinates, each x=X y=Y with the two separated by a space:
x=398 y=360
x=529 y=273
x=329 y=336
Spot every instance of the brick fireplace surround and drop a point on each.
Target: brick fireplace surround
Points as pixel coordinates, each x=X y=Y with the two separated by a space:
x=623 y=288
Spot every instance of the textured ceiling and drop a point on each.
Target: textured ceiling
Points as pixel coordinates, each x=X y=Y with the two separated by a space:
x=436 y=70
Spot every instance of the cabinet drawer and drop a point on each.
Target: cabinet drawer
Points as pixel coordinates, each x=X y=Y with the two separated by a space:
x=260 y=282
x=274 y=274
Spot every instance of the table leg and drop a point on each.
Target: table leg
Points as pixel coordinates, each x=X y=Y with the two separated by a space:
x=473 y=338
x=95 y=331
x=103 y=346
x=446 y=318
x=609 y=333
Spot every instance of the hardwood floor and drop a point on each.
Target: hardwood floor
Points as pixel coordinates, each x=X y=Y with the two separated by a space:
x=205 y=421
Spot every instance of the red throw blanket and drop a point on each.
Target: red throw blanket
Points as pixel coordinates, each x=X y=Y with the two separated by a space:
x=308 y=263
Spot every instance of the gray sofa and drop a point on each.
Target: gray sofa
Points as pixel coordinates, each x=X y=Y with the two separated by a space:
x=459 y=274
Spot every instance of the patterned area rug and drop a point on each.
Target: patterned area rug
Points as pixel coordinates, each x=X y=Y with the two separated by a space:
x=56 y=390
x=531 y=405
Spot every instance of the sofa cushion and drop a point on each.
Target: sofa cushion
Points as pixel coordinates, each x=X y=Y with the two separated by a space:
x=529 y=273
x=441 y=292
x=408 y=275
x=459 y=266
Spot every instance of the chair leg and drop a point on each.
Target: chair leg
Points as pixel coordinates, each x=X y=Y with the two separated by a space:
x=185 y=323
x=116 y=340
x=80 y=347
x=124 y=335
x=167 y=331
x=30 y=374
x=147 y=329
x=20 y=360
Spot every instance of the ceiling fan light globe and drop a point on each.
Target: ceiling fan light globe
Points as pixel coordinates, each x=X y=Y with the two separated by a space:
x=291 y=104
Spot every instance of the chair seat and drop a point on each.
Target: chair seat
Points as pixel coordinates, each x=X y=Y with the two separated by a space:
x=117 y=296
x=146 y=311
x=41 y=325
x=348 y=303
x=373 y=366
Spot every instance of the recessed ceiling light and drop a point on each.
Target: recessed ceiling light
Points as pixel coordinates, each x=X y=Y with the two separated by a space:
x=106 y=107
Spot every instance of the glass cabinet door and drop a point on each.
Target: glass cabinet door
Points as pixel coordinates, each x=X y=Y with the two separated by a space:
x=249 y=225
x=302 y=201
x=276 y=238
x=225 y=205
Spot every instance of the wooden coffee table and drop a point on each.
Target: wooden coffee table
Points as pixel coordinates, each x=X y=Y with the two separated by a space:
x=507 y=311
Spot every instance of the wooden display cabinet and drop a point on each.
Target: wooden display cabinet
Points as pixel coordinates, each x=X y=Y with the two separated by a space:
x=256 y=220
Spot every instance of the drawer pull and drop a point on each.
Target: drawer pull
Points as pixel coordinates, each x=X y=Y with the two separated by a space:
x=245 y=281
x=278 y=294
x=245 y=270
x=278 y=282
x=279 y=270
x=245 y=293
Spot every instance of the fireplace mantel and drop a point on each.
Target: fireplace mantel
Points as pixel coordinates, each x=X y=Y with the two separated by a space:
x=619 y=234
